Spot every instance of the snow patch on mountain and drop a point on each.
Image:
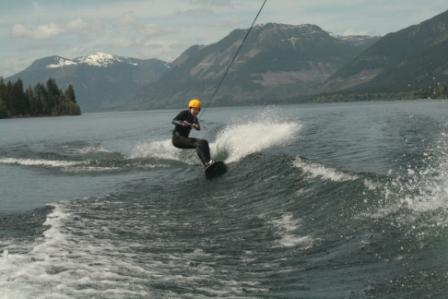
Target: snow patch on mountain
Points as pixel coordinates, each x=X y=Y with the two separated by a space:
x=60 y=62
x=99 y=59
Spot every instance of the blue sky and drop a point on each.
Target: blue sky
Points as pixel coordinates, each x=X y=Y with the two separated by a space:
x=32 y=29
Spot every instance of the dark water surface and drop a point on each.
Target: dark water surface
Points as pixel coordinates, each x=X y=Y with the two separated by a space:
x=320 y=201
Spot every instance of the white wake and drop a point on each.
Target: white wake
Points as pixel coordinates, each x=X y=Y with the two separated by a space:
x=232 y=143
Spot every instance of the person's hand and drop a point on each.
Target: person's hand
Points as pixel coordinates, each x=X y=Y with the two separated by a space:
x=196 y=126
x=186 y=124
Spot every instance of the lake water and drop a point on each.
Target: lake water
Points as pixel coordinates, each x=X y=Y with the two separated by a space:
x=320 y=201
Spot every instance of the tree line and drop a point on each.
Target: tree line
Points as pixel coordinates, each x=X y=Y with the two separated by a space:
x=436 y=91
x=40 y=100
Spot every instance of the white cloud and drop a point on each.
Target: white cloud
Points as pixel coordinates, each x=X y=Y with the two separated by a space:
x=132 y=26
x=76 y=24
x=217 y=3
x=40 y=32
x=49 y=30
x=151 y=30
x=118 y=43
x=128 y=18
x=195 y=12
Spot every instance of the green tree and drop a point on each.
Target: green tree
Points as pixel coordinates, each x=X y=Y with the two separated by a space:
x=19 y=99
x=39 y=100
x=70 y=106
x=2 y=88
x=53 y=96
x=35 y=107
x=41 y=96
x=7 y=98
x=70 y=94
x=3 y=110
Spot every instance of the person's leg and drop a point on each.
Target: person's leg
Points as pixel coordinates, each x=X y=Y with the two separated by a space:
x=201 y=146
x=203 y=150
x=183 y=142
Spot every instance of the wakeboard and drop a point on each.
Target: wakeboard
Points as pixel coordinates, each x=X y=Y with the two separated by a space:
x=216 y=169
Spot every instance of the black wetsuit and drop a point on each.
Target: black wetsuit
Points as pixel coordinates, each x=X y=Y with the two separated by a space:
x=180 y=136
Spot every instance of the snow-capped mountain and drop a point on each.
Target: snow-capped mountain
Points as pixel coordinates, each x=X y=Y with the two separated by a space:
x=97 y=59
x=100 y=59
x=101 y=81
x=61 y=62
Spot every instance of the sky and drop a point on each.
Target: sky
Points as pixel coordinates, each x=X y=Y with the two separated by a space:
x=163 y=29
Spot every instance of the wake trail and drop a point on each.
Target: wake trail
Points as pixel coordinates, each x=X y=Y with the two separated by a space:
x=232 y=143
x=240 y=140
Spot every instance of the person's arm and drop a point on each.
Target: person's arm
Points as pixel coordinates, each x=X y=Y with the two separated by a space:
x=195 y=124
x=176 y=122
x=180 y=119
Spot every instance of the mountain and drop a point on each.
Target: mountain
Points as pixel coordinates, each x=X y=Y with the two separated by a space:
x=278 y=62
x=411 y=59
x=101 y=81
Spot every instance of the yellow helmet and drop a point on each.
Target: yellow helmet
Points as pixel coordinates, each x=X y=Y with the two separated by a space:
x=195 y=103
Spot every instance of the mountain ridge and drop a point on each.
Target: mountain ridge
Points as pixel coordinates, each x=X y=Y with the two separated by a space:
x=101 y=81
x=277 y=60
x=409 y=59
x=280 y=63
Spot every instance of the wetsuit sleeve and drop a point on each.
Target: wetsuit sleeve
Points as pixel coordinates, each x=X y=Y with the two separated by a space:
x=179 y=118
